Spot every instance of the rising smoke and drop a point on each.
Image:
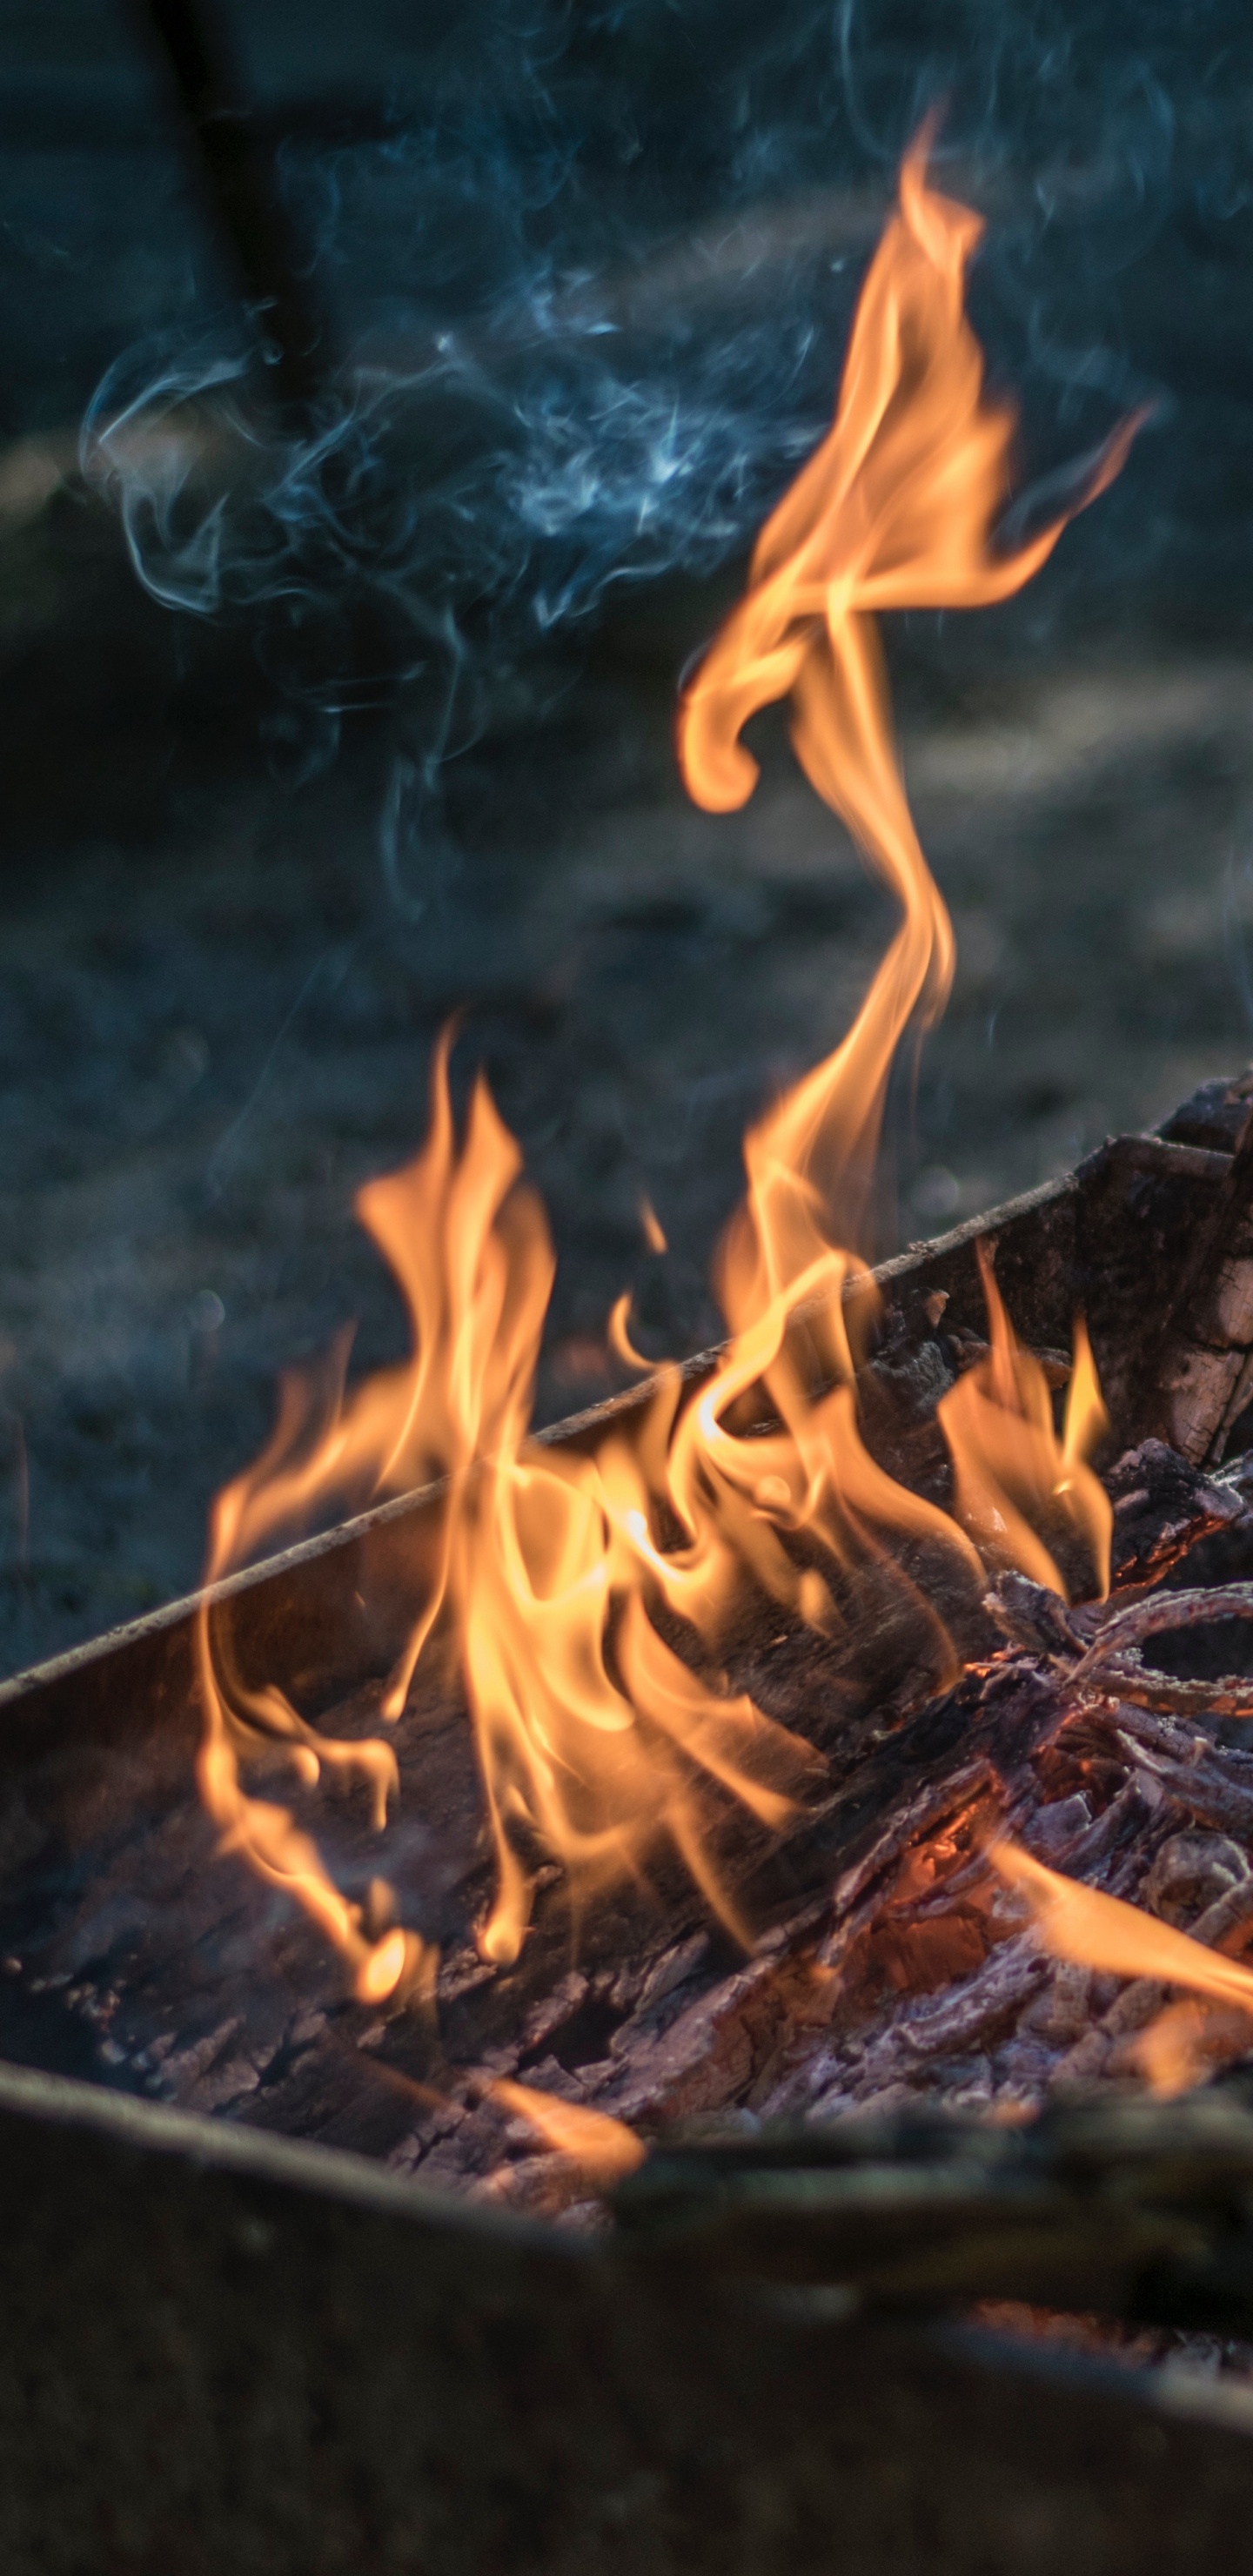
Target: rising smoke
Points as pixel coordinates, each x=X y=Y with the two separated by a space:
x=587 y=296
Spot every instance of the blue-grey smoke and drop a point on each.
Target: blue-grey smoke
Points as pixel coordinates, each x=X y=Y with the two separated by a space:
x=588 y=295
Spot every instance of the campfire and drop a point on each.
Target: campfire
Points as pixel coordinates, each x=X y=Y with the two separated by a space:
x=851 y=1723
x=569 y=1590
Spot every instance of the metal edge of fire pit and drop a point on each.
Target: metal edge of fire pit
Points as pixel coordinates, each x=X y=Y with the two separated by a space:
x=575 y=1427
x=224 y=2350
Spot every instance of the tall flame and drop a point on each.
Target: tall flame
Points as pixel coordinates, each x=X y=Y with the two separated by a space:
x=595 y=1739
x=1011 y=1474
x=895 y=510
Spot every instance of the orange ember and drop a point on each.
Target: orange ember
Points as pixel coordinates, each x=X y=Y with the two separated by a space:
x=596 y=1741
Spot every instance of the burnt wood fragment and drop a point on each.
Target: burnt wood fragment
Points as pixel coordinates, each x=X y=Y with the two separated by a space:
x=1198 y=1368
x=1213 y=1116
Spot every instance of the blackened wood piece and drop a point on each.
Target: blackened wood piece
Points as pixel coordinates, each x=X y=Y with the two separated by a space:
x=1198 y=1367
x=1108 y=1239
x=1120 y=1662
x=1213 y=1116
x=1168 y=1516
x=1141 y=1209
x=226 y=2352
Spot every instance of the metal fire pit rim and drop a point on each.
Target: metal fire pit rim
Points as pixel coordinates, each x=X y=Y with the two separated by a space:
x=338 y=2179
x=171 y=1614
x=267 y=2156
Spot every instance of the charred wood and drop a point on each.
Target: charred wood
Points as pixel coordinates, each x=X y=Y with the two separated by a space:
x=1199 y=1366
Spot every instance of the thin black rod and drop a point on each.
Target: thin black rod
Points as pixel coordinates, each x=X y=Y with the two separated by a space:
x=237 y=164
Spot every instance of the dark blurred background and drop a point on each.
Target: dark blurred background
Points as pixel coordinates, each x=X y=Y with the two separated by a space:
x=340 y=641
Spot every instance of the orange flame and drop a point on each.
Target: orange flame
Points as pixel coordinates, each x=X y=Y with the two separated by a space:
x=894 y=510
x=606 y=2148
x=1010 y=1471
x=592 y=1735
x=619 y=1333
x=1187 y=2041
x=651 y=1223
x=594 y=1738
x=1103 y=1932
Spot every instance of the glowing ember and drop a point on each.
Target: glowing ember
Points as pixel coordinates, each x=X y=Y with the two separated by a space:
x=595 y=1741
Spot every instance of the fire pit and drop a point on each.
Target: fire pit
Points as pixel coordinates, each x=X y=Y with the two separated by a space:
x=797 y=1783
x=247 y=2343
x=134 y=1953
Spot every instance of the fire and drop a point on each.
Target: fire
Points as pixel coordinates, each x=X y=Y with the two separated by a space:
x=595 y=1740
x=1103 y=1932
x=619 y=1333
x=654 y=1236
x=896 y=509
x=1011 y=1474
x=605 y=2148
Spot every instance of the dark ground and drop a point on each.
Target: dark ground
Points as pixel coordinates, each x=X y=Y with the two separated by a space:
x=220 y=987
